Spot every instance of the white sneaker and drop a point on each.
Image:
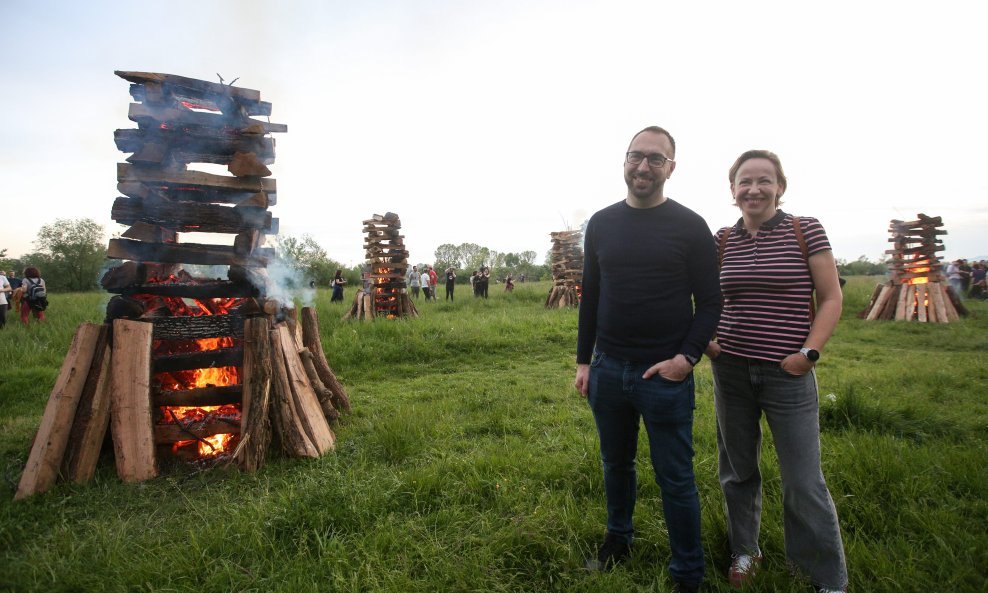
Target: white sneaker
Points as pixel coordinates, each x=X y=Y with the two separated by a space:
x=743 y=569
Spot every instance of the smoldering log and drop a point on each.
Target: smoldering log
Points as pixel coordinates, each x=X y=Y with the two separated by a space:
x=202 y=396
x=166 y=434
x=186 y=253
x=221 y=357
x=196 y=328
x=190 y=216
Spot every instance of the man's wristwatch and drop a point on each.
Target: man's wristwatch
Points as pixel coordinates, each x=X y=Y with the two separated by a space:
x=691 y=359
x=811 y=354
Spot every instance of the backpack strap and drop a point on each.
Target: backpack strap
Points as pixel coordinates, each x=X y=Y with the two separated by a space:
x=806 y=257
x=726 y=234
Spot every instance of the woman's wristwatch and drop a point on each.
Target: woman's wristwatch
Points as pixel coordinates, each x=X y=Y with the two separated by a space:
x=811 y=354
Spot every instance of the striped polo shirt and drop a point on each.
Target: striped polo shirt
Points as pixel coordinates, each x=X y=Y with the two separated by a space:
x=766 y=285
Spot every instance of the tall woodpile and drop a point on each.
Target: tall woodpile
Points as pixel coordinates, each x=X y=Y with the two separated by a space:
x=916 y=290
x=387 y=260
x=567 y=270
x=186 y=366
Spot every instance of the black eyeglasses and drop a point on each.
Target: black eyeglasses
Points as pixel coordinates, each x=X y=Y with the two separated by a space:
x=654 y=160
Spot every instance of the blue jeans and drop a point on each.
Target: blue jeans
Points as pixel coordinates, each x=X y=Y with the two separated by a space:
x=744 y=389
x=619 y=397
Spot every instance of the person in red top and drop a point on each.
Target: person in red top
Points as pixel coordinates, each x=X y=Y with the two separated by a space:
x=433 y=281
x=763 y=360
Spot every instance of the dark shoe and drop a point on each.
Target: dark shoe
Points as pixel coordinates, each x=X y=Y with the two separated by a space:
x=612 y=552
x=685 y=588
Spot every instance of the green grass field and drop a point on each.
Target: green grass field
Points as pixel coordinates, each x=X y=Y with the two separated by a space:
x=470 y=464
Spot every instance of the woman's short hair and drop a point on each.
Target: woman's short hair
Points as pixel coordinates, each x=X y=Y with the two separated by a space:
x=761 y=154
x=32 y=272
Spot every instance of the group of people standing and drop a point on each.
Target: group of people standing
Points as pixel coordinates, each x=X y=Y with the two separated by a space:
x=27 y=295
x=480 y=282
x=967 y=279
x=428 y=281
x=659 y=292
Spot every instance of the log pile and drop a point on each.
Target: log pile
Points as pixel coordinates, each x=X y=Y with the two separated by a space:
x=387 y=261
x=916 y=290
x=187 y=367
x=567 y=270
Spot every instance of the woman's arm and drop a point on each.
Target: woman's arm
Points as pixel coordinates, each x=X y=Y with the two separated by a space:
x=829 y=300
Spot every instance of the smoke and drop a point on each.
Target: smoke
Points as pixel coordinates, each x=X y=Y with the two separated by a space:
x=286 y=282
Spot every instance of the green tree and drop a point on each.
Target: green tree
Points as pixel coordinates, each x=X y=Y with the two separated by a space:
x=448 y=255
x=70 y=254
x=305 y=255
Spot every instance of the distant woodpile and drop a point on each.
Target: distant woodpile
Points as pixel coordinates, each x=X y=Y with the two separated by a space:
x=916 y=290
x=567 y=270
x=387 y=261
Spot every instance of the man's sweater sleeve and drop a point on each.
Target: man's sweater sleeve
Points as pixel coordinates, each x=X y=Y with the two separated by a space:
x=705 y=283
x=589 y=299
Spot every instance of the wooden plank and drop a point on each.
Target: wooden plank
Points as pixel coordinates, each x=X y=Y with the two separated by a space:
x=921 y=302
x=255 y=423
x=190 y=83
x=157 y=177
x=210 y=145
x=92 y=418
x=936 y=291
x=186 y=253
x=48 y=449
x=203 y=396
x=189 y=217
x=291 y=433
x=900 y=309
x=876 y=309
x=312 y=341
x=214 y=289
x=130 y=401
x=221 y=357
x=198 y=327
x=152 y=115
x=166 y=434
x=307 y=402
x=910 y=302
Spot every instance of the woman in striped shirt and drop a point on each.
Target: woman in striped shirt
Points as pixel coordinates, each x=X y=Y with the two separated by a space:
x=763 y=359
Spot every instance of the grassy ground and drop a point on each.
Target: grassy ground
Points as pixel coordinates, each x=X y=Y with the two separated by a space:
x=471 y=464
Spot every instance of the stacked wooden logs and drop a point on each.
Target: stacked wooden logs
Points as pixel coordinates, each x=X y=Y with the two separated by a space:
x=387 y=264
x=567 y=270
x=186 y=365
x=916 y=290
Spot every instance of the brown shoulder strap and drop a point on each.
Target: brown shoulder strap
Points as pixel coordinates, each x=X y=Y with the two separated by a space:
x=801 y=239
x=723 y=244
x=806 y=257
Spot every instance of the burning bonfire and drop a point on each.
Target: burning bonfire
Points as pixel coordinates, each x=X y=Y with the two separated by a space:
x=387 y=261
x=567 y=270
x=185 y=366
x=916 y=290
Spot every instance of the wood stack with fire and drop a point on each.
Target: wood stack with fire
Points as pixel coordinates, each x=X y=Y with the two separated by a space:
x=916 y=290
x=567 y=270
x=188 y=366
x=387 y=261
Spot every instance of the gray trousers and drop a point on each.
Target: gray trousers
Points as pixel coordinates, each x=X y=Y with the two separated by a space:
x=744 y=389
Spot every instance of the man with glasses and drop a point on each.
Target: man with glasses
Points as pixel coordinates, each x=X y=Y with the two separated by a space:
x=647 y=261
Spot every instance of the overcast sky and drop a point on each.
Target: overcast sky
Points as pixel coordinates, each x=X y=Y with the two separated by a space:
x=499 y=122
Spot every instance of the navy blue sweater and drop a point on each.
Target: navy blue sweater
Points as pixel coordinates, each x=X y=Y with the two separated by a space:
x=643 y=271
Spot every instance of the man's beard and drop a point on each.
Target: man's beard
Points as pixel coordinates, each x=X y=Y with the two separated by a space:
x=654 y=187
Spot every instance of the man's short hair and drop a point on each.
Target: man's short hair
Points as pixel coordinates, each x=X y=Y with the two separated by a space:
x=657 y=130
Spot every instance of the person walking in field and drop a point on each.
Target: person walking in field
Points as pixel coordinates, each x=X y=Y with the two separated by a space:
x=648 y=259
x=426 y=286
x=34 y=299
x=5 y=291
x=433 y=282
x=414 y=281
x=767 y=345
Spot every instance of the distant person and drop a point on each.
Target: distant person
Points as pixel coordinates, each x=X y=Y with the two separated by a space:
x=965 y=270
x=450 y=282
x=14 y=298
x=338 y=283
x=474 y=281
x=978 y=281
x=5 y=291
x=414 y=281
x=509 y=286
x=954 y=277
x=426 y=286
x=34 y=299
x=766 y=349
x=647 y=261
x=433 y=282
x=485 y=280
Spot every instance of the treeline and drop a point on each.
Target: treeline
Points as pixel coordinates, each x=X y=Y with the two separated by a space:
x=861 y=267
x=71 y=256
